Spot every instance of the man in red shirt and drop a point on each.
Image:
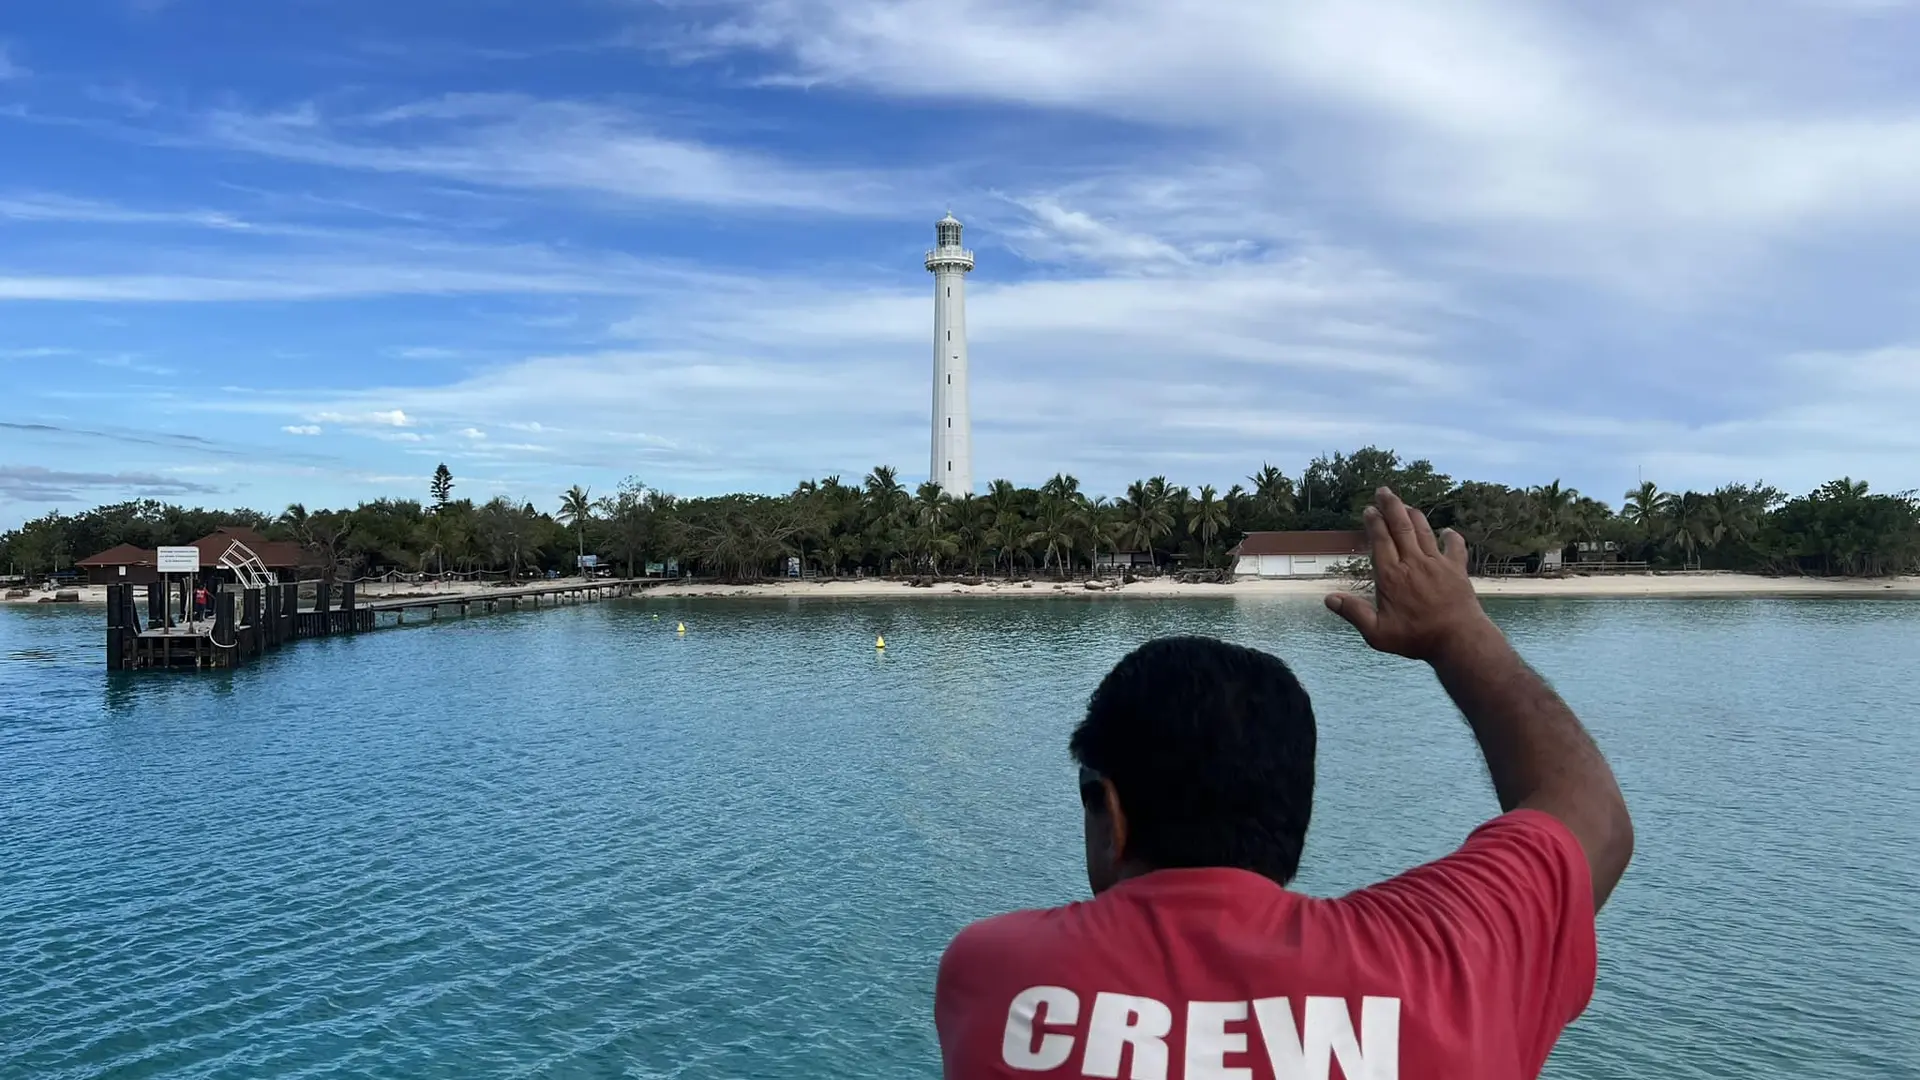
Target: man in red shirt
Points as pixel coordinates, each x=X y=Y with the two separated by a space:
x=1194 y=962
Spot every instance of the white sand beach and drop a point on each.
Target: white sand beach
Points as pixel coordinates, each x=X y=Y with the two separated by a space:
x=1699 y=583
x=1676 y=584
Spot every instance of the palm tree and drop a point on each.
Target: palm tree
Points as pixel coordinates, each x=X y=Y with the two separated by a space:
x=1733 y=515
x=576 y=509
x=928 y=536
x=1095 y=521
x=1178 y=503
x=1685 y=524
x=1643 y=507
x=836 y=513
x=1556 y=504
x=1272 y=493
x=1062 y=486
x=294 y=520
x=1053 y=530
x=884 y=495
x=1006 y=523
x=1206 y=516
x=1144 y=514
x=970 y=529
x=887 y=503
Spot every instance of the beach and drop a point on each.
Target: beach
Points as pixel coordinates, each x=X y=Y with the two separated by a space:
x=1679 y=584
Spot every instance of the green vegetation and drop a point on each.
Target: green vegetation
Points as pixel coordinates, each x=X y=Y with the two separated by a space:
x=880 y=526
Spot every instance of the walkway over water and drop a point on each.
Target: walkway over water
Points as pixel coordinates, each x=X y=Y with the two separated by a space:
x=246 y=623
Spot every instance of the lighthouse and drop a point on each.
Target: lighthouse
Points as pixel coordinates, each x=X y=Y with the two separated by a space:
x=952 y=462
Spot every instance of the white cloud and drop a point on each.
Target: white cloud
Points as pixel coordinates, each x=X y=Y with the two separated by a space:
x=472 y=433
x=302 y=429
x=382 y=417
x=133 y=363
x=515 y=141
x=273 y=261
x=9 y=67
x=48 y=208
x=283 y=279
x=1550 y=128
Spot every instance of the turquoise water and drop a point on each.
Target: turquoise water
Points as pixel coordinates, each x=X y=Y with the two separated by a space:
x=569 y=843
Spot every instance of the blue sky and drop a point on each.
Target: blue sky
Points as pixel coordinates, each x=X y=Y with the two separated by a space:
x=275 y=251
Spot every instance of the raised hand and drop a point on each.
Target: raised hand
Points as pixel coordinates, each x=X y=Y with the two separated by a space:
x=1423 y=599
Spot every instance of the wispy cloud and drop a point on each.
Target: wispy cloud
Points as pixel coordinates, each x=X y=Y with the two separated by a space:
x=516 y=141
x=63 y=208
x=303 y=278
x=385 y=417
x=303 y=429
x=131 y=362
x=37 y=484
x=273 y=261
x=175 y=445
x=11 y=68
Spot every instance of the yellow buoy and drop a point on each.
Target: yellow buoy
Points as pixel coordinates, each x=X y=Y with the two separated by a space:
x=680 y=628
x=880 y=643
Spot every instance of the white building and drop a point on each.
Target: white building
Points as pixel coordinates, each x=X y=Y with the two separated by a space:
x=951 y=465
x=1298 y=554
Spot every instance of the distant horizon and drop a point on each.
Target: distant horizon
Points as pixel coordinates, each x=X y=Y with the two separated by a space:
x=258 y=255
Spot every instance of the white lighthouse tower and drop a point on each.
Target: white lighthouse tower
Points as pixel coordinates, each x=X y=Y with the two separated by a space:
x=952 y=466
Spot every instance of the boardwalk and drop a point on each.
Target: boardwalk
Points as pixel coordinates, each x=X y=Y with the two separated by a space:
x=247 y=623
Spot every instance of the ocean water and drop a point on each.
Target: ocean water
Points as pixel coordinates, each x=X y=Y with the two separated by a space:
x=572 y=843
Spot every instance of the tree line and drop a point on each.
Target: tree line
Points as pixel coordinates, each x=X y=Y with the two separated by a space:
x=880 y=526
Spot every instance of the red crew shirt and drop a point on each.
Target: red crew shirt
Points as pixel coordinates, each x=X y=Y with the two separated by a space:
x=1468 y=966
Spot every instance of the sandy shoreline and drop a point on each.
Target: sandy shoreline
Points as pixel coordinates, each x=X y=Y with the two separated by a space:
x=1635 y=585
x=1623 y=585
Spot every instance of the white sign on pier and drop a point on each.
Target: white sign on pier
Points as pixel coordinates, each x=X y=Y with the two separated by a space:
x=177 y=560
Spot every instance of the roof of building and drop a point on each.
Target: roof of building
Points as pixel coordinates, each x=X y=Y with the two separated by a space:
x=120 y=555
x=277 y=554
x=1312 y=542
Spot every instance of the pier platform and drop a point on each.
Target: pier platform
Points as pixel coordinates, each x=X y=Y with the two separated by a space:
x=246 y=623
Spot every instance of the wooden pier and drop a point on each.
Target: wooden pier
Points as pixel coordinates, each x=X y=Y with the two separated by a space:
x=246 y=623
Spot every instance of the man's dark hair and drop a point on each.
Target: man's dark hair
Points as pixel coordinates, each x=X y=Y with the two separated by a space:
x=1210 y=748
